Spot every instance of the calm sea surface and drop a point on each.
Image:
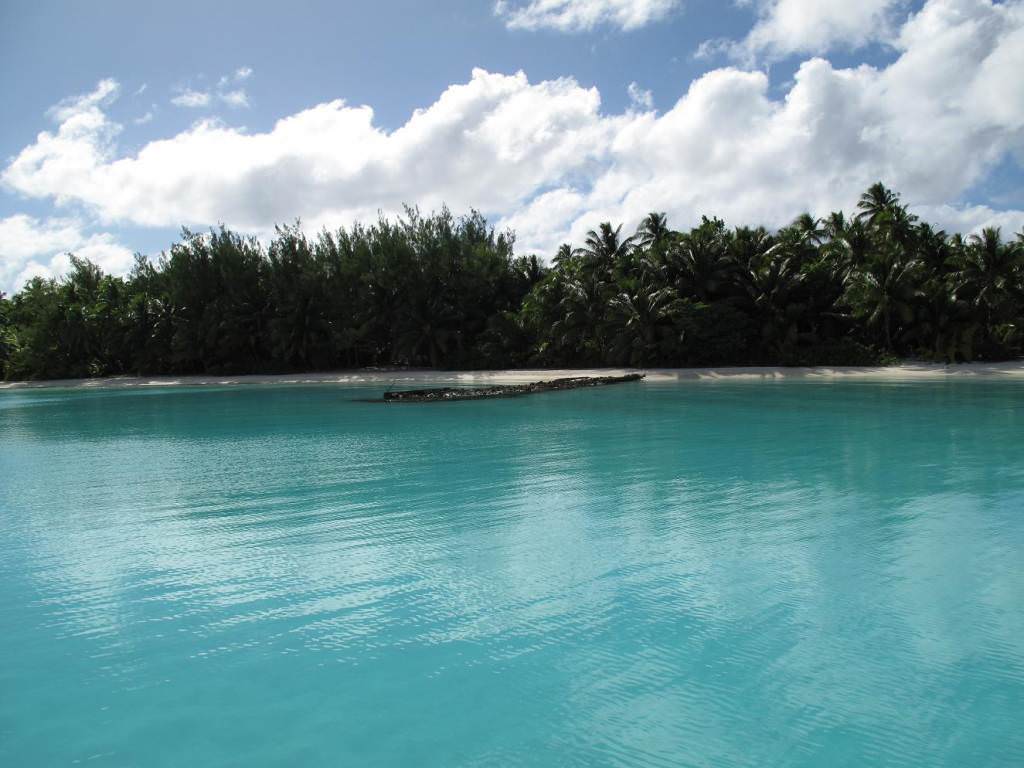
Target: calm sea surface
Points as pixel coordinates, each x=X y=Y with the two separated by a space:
x=701 y=574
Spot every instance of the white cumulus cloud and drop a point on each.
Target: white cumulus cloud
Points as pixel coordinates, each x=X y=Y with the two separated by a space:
x=237 y=98
x=972 y=218
x=582 y=15
x=106 y=92
x=191 y=99
x=640 y=97
x=224 y=92
x=491 y=142
x=786 y=27
x=30 y=247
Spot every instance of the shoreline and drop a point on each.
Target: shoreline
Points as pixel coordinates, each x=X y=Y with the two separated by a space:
x=904 y=372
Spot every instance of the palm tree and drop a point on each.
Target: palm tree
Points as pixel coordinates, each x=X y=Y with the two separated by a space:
x=835 y=225
x=890 y=221
x=747 y=246
x=606 y=250
x=810 y=228
x=772 y=284
x=703 y=260
x=988 y=270
x=564 y=255
x=653 y=231
x=643 y=315
x=877 y=201
x=884 y=294
x=900 y=227
x=580 y=324
x=933 y=248
x=949 y=323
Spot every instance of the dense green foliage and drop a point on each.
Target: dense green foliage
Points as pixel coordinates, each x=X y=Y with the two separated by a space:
x=449 y=292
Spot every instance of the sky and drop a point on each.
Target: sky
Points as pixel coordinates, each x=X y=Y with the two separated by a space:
x=126 y=121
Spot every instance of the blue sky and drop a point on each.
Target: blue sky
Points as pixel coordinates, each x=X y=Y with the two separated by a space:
x=124 y=122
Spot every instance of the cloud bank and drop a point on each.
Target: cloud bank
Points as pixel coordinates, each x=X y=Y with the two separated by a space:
x=543 y=158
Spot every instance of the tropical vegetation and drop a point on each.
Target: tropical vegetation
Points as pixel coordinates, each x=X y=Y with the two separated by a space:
x=449 y=292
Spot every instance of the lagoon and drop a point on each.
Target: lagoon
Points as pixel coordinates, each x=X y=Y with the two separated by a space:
x=732 y=573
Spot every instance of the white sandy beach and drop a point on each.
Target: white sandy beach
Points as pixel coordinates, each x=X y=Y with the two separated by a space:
x=414 y=378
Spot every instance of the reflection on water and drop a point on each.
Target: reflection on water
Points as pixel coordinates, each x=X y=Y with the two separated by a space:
x=786 y=573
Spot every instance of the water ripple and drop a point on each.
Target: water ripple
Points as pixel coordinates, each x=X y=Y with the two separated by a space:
x=729 y=575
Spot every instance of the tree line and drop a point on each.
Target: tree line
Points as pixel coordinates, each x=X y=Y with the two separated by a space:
x=449 y=292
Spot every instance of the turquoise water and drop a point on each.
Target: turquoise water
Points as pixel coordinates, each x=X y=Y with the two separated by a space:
x=703 y=574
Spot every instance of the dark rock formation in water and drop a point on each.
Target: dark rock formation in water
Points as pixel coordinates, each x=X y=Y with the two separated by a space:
x=451 y=394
